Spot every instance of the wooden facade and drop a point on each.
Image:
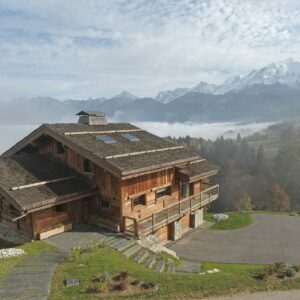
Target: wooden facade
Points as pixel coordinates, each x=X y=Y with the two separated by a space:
x=150 y=194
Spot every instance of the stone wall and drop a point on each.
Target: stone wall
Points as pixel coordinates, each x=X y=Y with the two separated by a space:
x=12 y=236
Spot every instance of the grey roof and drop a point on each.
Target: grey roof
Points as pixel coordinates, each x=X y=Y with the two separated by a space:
x=24 y=169
x=91 y=113
x=147 y=152
x=199 y=170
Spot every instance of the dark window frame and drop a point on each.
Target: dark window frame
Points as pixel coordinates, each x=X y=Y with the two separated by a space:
x=60 y=148
x=139 y=200
x=166 y=191
x=88 y=166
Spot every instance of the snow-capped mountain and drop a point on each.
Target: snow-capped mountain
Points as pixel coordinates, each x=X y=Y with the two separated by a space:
x=285 y=72
x=170 y=95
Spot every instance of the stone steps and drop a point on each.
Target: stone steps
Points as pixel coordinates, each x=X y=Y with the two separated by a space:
x=160 y=266
x=171 y=268
x=132 y=250
x=150 y=261
x=142 y=255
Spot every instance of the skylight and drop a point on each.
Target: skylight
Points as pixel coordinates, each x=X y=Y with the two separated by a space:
x=106 y=139
x=130 y=137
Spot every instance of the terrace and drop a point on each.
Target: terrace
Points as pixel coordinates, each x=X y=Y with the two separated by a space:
x=146 y=225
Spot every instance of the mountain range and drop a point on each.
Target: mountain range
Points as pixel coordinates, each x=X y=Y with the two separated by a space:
x=271 y=93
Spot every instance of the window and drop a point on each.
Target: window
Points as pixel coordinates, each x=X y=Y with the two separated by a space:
x=59 y=208
x=141 y=200
x=106 y=139
x=184 y=189
x=163 y=192
x=130 y=137
x=104 y=203
x=60 y=148
x=88 y=166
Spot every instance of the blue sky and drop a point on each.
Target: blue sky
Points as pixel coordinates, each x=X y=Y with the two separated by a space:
x=94 y=48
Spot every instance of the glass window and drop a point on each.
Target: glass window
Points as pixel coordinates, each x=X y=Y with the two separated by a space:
x=106 y=139
x=130 y=137
x=163 y=192
x=141 y=200
x=88 y=166
x=104 y=203
x=60 y=148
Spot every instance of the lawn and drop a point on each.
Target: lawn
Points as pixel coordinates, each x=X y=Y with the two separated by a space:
x=233 y=278
x=31 y=249
x=236 y=220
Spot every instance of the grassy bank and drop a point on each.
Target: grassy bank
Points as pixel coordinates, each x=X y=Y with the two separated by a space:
x=233 y=278
x=236 y=220
x=31 y=249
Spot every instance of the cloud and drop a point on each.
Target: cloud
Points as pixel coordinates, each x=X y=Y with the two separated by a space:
x=84 y=48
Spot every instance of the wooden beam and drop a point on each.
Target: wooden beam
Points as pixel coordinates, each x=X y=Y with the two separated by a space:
x=143 y=152
x=102 y=131
x=21 y=187
x=61 y=202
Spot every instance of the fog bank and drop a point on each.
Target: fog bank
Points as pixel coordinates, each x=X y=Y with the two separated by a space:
x=10 y=134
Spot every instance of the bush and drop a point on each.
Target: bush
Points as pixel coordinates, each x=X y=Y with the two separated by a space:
x=270 y=270
x=290 y=272
x=98 y=287
x=148 y=285
x=296 y=268
x=104 y=277
x=281 y=274
x=261 y=275
x=75 y=254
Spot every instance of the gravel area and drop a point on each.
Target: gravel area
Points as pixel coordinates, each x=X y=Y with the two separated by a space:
x=11 y=252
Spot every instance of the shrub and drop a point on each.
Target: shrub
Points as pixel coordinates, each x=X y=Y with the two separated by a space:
x=279 y=266
x=148 y=285
x=270 y=270
x=98 y=287
x=104 y=277
x=290 y=272
x=281 y=274
x=296 y=268
x=261 y=275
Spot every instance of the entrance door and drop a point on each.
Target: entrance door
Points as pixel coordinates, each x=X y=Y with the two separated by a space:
x=184 y=189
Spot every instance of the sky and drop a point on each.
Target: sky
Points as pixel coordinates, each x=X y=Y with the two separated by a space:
x=98 y=48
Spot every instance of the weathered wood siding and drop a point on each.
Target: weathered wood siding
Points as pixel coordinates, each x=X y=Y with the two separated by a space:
x=7 y=213
x=109 y=185
x=161 y=235
x=147 y=185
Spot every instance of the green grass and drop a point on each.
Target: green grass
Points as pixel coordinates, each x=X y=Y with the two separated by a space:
x=233 y=278
x=31 y=249
x=236 y=220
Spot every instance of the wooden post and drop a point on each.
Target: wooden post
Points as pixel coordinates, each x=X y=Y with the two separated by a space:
x=179 y=207
x=136 y=228
x=167 y=215
x=153 y=221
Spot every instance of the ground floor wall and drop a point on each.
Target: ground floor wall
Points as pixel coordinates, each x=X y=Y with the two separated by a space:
x=174 y=230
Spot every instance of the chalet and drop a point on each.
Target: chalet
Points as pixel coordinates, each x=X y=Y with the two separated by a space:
x=63 y=174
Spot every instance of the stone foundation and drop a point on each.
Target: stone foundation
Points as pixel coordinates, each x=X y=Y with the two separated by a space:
x=197 y=218
x=12 y=236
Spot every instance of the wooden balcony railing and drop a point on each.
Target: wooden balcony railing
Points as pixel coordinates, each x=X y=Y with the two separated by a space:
x=148 y=224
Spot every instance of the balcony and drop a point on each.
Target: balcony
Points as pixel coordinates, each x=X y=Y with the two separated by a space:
x=146 y=225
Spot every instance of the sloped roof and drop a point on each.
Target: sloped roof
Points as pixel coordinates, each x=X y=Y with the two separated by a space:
x=199 y=170
x=26 y=169
x=123 y=157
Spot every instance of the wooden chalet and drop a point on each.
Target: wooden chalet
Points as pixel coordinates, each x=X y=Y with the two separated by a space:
x=62 y=174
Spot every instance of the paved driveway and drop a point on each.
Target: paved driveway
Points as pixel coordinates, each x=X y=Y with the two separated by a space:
x=271 y=238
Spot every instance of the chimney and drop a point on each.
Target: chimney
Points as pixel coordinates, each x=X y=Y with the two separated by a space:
x=92 y=118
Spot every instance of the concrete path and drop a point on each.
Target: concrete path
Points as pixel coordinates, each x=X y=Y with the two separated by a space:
x=271 y=238
x=31 y=277
x=81 y=236
x=277 y=295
